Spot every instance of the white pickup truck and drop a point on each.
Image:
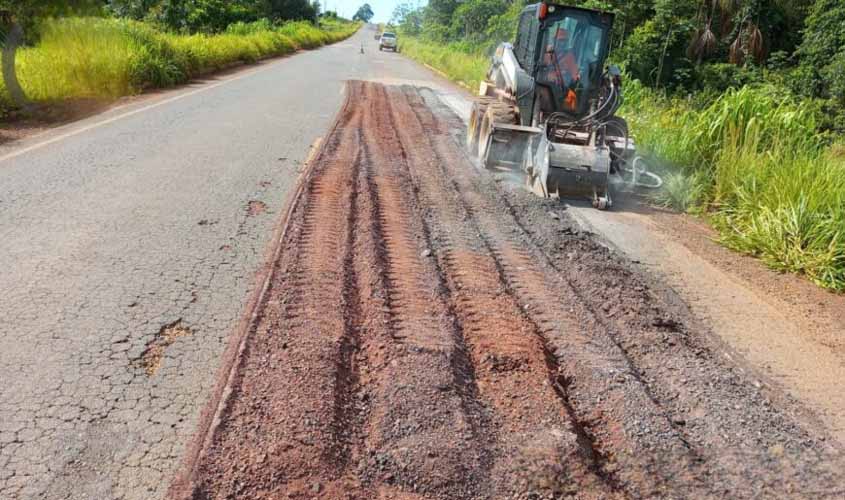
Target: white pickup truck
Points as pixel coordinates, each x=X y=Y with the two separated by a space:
x=388 y=41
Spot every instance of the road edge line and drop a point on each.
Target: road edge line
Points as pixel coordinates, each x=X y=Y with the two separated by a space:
x=184 y=483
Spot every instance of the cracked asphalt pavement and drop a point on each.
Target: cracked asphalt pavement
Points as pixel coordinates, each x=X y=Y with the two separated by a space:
x=131 y=242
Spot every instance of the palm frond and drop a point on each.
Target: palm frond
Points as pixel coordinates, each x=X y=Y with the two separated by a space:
x=703 y=43
x=736 y=55
x=756 y=44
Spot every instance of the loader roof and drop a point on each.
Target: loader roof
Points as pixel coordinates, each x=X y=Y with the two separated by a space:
x=535 y=6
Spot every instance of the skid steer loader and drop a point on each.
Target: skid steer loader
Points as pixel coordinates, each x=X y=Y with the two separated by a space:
x=548 y=107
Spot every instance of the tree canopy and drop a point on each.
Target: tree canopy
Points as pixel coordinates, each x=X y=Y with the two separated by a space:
x=679 y=45
x=212 y=15
x=364 y=13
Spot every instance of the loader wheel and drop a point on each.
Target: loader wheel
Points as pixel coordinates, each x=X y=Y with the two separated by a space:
x=479 y=107
x=497 y=112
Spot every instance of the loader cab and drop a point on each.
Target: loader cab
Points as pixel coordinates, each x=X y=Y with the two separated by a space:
x=564 y=49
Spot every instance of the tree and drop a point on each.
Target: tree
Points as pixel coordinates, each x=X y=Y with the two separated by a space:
x=134 y=9
x=408 y=18
x=365 y=13
x=471 y=17
x=11 y=37
x=824 y=35
x=655 y=52
x=290 y=10
x=401 y=12
x=441 y=11
x=502 y=26
x=822 y=59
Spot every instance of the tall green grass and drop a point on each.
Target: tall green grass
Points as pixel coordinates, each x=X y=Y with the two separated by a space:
x=785 y=205
x=467 y=68
x=750 y=160
x=107 y=58
x=768 y=112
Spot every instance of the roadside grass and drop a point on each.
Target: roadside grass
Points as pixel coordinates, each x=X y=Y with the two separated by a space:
x=785 y=206
x=108 y=58
x=466 y=68
x=751 y=161
x=681 y=191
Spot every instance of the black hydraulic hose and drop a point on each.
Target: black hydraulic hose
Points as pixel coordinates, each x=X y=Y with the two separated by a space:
x=611 y=98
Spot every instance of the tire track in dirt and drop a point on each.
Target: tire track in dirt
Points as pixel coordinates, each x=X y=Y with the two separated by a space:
x=355 y=384
x=419 y=343
x=423 y=424
x=629 y=395
x=286 y=427
x=543 y=447
x=592 y=377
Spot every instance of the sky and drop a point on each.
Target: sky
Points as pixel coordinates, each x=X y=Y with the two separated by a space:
x=382 y=9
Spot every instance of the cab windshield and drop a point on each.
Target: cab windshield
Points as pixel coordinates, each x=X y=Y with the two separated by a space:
x=573 y=47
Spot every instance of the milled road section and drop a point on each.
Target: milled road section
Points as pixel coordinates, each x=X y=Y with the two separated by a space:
x=429 y=334
x=130 y=242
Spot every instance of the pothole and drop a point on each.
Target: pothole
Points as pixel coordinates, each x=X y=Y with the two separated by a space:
x=151 y=359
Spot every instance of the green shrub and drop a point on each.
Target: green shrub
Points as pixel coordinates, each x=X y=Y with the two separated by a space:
x=716 y=78
x=80 y=57
x=682 y=191
x=305 y=35
x=822 y=55
x=698 y=134
x=242 y=28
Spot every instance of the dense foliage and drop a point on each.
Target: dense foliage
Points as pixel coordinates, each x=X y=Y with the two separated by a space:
x=681 y=46
x=206 y=16
x=212 y=16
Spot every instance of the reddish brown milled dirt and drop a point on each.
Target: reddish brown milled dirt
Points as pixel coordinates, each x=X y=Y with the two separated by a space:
x=429 y=334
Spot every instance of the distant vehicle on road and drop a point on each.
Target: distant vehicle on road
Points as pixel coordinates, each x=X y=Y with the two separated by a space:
x=388 y=41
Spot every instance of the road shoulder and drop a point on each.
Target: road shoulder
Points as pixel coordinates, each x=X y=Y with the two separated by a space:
x=789 y=330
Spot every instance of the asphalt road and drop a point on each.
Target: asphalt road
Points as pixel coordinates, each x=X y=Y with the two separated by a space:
x=152 y=214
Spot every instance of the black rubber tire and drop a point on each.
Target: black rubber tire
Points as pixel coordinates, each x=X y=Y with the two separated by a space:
x=479 y=107
x=617 y=124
